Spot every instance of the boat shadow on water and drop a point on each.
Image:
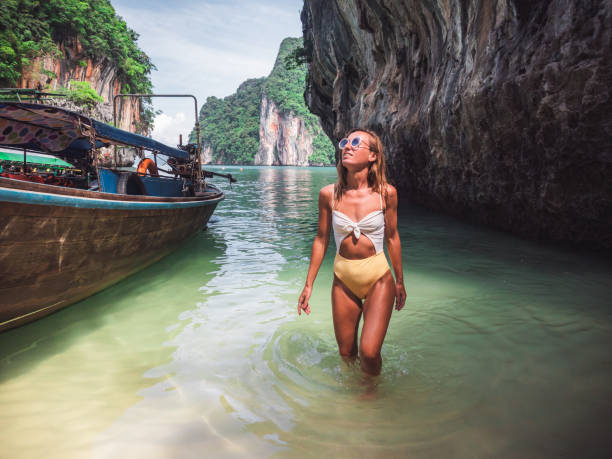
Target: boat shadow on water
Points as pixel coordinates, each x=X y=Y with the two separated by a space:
x=153 y=298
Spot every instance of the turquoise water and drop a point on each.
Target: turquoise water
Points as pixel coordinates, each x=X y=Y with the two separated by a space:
x=502 y=349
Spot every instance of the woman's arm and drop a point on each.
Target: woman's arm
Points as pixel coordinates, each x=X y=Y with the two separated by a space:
x=319 y=246
x=394 y=247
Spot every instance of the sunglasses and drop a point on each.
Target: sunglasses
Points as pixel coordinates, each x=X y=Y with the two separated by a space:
x=354 y=143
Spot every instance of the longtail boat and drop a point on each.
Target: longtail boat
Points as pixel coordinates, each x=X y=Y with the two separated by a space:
x=65 y=236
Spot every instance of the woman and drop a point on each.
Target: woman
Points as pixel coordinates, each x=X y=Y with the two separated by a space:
x=362 y=209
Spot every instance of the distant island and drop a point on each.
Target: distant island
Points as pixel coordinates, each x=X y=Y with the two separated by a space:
x=266 y=121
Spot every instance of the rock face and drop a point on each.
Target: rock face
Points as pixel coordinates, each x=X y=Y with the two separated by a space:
x=100 y=73
x=206 y=155
x=497 y=111
x=283 y=137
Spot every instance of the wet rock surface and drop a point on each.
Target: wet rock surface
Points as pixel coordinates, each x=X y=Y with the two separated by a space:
x=498 y=112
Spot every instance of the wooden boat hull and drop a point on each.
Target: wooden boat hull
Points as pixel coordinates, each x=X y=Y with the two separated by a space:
x=59 y=246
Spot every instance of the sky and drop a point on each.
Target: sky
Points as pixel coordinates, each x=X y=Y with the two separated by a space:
x=206 y=48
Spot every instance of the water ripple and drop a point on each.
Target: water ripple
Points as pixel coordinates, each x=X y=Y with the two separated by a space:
x=501 y=349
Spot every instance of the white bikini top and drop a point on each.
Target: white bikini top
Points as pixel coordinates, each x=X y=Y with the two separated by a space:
x=372 y=226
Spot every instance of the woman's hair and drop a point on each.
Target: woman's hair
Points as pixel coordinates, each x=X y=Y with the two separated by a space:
x=377 y=170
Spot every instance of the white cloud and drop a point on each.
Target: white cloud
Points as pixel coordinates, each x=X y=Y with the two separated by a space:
x=207 y=47
x=167 y=128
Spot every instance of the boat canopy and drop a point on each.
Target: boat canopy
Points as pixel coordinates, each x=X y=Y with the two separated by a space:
x=33 y=159
x=66 y=134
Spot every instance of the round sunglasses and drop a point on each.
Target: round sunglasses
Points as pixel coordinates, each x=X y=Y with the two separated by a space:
x=354 y=143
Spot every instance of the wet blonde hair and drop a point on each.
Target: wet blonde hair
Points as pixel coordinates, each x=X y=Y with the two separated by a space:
x=377 y=170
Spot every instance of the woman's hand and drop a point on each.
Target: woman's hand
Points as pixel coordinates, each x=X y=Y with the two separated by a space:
x=400 y=295
x=303 y=301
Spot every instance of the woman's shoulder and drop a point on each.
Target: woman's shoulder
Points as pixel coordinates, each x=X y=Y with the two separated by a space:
x=326 y=194
x=390 y=196
x=327 y=190
x=390 y=190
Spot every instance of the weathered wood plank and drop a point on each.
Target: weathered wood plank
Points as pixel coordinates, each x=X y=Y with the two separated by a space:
x=23 y=223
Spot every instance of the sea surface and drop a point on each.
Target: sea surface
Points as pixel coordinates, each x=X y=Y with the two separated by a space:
x=502 y=350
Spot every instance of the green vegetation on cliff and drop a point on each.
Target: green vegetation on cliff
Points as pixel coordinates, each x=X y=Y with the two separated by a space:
x=81 y=93
x=230 y=126
x=32 y=28
x=286 y=85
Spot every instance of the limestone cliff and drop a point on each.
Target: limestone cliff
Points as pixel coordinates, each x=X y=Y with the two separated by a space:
x=496 y=111
x=266 y=121
x=52 y=73
x=283 y=137
x=74 y=64
x=207 y=157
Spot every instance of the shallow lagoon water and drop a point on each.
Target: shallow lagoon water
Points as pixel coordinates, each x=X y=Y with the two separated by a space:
x=502 y=349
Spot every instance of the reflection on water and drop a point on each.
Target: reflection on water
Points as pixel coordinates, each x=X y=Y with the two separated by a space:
x=501 y=350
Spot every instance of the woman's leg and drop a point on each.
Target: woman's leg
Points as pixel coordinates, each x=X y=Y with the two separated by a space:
x=377 y=309
x=346 y=312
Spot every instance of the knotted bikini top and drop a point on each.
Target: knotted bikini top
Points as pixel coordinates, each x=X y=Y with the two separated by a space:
x=372 y=226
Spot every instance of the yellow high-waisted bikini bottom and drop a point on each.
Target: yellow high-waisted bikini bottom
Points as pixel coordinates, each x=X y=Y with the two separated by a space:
x=360 y=275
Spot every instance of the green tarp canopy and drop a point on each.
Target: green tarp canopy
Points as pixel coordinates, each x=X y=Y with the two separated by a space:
x=34 y=159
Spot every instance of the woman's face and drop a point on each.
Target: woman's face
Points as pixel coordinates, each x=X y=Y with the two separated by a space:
x=357 y=151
